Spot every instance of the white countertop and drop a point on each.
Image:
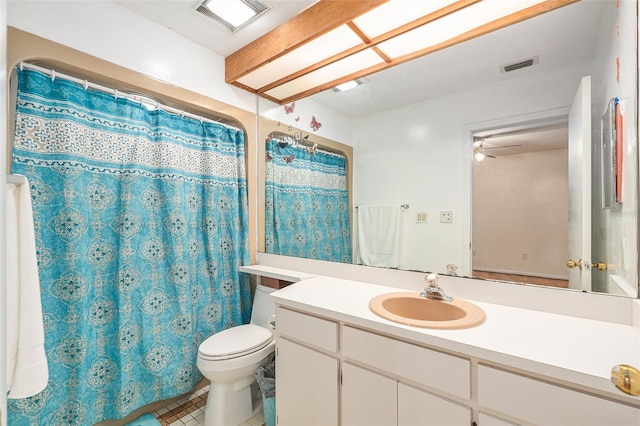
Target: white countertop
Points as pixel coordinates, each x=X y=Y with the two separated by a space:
x=580 y=352
x=277 y=273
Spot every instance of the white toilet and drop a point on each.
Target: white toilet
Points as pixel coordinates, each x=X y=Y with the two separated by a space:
x=229 y=360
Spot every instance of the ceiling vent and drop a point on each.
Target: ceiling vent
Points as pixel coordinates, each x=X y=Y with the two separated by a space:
x=519 y=65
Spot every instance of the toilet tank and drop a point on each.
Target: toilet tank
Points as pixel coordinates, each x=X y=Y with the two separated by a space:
x=263 y=307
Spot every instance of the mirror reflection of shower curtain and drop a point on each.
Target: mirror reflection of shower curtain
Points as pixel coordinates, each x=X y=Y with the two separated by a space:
x=306 y=203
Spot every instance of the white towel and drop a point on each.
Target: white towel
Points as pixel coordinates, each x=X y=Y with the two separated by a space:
x=27 y=368
x=379 y=236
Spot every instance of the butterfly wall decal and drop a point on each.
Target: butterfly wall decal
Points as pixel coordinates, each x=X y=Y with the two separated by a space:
x=288 y=159
x=312 y=149
x=288 y=109
x=315 y=124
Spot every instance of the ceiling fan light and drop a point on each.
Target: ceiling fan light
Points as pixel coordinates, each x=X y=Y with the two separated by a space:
x=479 y=156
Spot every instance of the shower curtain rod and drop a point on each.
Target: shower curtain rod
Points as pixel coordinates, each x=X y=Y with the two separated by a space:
x=291 y=140
x=118 y=94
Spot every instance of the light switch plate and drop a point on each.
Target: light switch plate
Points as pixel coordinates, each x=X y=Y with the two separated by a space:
x=422 y=217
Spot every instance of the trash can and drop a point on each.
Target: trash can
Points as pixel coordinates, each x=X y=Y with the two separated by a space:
x=266 y=378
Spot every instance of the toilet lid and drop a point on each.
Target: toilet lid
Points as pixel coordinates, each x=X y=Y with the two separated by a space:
x=236 y=341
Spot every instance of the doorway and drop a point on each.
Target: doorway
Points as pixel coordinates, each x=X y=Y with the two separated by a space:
x=520 y=202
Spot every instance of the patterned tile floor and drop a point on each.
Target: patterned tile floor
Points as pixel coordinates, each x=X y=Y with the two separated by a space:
x=189 y=411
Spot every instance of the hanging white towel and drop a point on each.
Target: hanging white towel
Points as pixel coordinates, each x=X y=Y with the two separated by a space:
x=27 y=368
x=379 y=236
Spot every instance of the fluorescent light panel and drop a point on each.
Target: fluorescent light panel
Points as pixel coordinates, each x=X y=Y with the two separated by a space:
x=350 y=64
x=452 y=25
x=396 y=13
x=331 y=43
x=387 y=17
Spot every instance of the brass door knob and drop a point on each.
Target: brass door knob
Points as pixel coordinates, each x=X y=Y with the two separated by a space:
x=626 y=378
x=600 y=266
x=572 y=264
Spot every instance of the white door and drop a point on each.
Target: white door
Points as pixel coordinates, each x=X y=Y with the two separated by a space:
x=368 y=399
x=579 y=260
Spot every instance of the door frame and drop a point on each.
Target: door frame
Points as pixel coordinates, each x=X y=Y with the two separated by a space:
x=524 y=121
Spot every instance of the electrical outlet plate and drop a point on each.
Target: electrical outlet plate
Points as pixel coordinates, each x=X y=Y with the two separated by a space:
x=446 y=216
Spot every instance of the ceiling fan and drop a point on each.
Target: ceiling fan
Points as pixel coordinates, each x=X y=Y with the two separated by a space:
x=479 y=149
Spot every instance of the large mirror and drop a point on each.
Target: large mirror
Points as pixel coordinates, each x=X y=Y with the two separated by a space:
x=550 y=104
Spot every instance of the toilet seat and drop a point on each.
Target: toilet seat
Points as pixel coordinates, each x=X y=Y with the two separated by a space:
x=235 y=342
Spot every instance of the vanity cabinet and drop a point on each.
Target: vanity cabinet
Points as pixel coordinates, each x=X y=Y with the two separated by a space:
x=439 y=371
x=543 y=403
x=307 y=370
x=388 y=394
x=333 y=373
x=371 y=399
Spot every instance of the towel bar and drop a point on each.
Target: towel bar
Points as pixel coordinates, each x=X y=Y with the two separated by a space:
x=16 y=179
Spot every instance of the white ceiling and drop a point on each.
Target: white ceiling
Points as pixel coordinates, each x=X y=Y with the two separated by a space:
x=559 y=38
x=534 y=139
x=181 y=16
x=564 y=36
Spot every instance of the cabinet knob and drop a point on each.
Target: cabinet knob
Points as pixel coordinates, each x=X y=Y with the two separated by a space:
x=626 y=378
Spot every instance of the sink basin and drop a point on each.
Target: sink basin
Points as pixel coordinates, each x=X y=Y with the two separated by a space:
x=410 y=309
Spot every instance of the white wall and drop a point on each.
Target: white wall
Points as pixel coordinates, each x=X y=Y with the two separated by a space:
x=109 y=31
x=420 y=155
x=335 y=126
x=615 y=76
x=520 y=205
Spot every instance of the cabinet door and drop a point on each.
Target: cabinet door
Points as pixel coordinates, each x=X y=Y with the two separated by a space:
x=420 y=408
x=306 y=386
x=368 y=399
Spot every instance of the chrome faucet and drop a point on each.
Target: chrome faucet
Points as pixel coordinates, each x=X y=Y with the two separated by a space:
x=433 y=290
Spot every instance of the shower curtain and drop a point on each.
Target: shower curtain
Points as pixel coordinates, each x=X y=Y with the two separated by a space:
x=307 y=203
x=141 y=223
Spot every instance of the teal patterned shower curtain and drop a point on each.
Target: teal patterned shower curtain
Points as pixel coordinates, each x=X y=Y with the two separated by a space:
x=306 y=203
x=141 y=224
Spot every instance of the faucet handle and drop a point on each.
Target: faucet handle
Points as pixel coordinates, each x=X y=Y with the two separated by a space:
x=432 y=280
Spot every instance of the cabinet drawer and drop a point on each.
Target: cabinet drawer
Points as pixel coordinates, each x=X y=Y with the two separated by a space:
x=546 y=404
x=434 y=369
x=317 y=332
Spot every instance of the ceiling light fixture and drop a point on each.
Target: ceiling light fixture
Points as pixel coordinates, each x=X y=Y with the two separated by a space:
x=335 y=41
x=233 y=14
x=352 y=84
